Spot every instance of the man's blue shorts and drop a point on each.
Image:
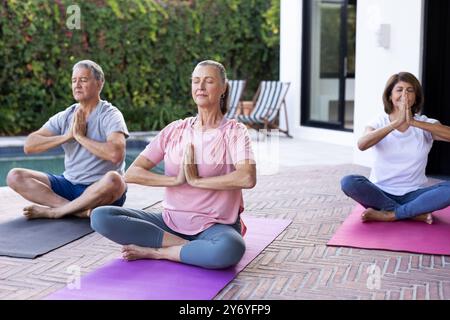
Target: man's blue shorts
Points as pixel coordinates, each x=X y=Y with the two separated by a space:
x=64 y=188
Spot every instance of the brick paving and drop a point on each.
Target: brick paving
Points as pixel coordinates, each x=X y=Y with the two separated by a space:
x=297 y=265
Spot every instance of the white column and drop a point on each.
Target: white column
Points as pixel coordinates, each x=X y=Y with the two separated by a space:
x=290 y=58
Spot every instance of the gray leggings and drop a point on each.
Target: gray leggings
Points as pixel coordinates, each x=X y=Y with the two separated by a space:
x=219 y=246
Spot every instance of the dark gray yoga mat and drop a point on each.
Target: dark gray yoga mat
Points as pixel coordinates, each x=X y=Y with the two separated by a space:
x=22 y=238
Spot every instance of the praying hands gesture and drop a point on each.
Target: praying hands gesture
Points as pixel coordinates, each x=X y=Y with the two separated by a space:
x=190 y=168
x=405 y=115
x=79 y=125
x=439 y=132
x=244 y=175
x=406 y=109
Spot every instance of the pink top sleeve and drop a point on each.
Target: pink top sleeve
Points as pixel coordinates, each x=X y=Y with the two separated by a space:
x=239 y=144
x=155 y=150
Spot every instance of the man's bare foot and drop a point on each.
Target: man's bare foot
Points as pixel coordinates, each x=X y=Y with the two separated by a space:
x=133 y=252
x=40 y=212
x=83 y=214
x=426 y=217
x=375 y=215
x=36 y=212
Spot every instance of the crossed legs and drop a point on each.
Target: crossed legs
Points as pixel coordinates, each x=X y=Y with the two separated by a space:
x=145 y=235
x=380 y=206
x=35 y=187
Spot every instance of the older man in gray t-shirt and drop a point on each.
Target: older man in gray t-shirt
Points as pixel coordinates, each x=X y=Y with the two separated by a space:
x=92 y=133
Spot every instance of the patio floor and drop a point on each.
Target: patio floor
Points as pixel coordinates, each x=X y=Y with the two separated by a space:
x=297 y=265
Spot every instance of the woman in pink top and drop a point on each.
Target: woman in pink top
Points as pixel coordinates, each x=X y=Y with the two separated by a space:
x=208 y=161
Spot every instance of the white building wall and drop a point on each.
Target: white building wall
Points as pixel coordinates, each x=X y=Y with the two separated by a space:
x=374 y=64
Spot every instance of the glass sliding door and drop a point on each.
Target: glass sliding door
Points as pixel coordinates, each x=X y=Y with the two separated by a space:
x=328 y=67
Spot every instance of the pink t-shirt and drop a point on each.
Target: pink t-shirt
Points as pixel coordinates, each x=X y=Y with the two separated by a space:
x=190 y=210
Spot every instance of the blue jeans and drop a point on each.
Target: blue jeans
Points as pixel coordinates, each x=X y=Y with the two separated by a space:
x=219 y=246
x=414 y=203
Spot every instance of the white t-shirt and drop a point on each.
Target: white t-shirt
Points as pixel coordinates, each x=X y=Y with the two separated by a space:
x=401 y=157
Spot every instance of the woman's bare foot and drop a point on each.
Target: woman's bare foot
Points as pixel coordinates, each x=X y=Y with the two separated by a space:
x=426 y=217
x=388 y=216
x=36 y=212
x=133 y=252
x=375 y=215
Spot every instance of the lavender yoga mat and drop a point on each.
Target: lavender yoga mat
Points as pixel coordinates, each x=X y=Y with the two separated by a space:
x=409 y=236
x=165 y=280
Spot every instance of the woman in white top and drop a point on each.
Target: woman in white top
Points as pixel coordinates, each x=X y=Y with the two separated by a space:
x=402 y=139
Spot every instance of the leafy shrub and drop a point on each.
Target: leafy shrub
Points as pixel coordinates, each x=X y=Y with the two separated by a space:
x=147 y=49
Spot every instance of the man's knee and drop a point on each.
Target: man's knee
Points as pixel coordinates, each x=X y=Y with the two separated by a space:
x=15 y=177
x=113 y=184
x=114 y=178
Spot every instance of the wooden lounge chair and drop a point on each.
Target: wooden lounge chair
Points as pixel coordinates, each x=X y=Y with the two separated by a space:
x=236 y=91
x=268 y=101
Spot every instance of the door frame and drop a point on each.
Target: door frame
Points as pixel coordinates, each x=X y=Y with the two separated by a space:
x=305 y=100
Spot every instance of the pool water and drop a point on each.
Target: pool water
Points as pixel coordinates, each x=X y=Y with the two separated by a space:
x=53 y=161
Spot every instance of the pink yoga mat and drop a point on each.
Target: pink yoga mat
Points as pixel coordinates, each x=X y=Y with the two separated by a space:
x=165 y=280
x=407 y=235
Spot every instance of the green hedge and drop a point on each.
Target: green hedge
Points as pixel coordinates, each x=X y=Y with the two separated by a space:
x=147 y=49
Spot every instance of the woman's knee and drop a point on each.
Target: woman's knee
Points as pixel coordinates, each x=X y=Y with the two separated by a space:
x=102 y=219
x=229 y=251
x=445 y=184
x=348 y=182
x=446 y=190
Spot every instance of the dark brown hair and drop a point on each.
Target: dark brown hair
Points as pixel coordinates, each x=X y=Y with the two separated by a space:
x=408 y=78
x=224 y=99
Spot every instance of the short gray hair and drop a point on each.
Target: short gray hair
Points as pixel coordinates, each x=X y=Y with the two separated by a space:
x=96 y=70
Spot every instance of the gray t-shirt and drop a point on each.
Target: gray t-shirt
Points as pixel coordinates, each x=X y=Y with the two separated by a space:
x=81 y=166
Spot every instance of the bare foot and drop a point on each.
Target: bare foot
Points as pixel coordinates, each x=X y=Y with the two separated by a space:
x=36 y=212
x=426 y=217
x=133 y=252
x=83 y=214
x=375 y=215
